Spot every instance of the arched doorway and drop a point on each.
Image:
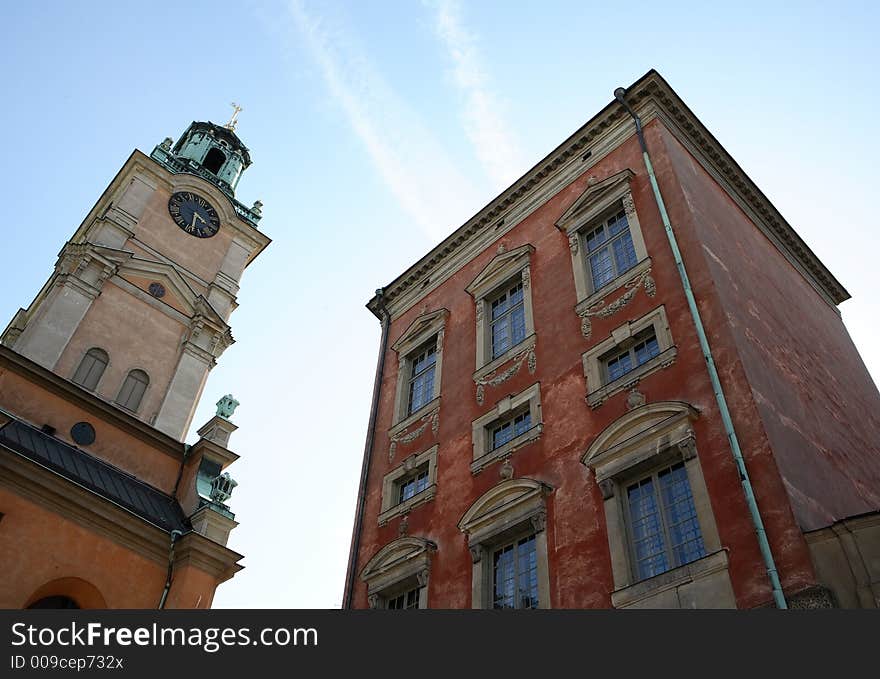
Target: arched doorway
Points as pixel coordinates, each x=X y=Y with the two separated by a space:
x=66 y=593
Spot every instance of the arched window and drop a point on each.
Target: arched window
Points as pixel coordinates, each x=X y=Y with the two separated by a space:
x=214 y=160
x=90 y=369
x=133 y=389
x=55 y=602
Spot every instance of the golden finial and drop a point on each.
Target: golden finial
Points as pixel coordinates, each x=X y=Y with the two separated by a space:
x=236 y=109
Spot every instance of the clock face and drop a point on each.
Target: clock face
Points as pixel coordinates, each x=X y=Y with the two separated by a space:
x=193 y=214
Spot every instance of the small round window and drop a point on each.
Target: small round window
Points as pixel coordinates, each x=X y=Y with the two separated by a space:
x=83 y=433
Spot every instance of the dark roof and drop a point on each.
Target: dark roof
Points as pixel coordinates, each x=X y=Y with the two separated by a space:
x=101 y=478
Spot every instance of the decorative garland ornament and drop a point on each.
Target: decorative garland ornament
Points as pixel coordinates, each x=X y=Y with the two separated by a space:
x=599 y=309
x=495 y=378
x=432 y=418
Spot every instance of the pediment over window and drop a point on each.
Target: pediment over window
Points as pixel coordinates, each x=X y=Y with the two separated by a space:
x=596 y=198
x=501 y=267
x=640 y=434
x=427 y=324
x=400 y=559
x=509 y=503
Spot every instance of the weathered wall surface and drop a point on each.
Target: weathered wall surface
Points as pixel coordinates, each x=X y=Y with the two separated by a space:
x=579 y=561
x=816 y=401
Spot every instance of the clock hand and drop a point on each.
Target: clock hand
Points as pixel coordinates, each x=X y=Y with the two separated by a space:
x=196 y=216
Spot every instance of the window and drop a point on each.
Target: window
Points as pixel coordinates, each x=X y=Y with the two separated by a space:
x=503 y=306
x=633 y=351
x=508 y=320
x=420 y=360
x=397 y=576
x=132 y=391
x=509 y=430
x=662 y=520
x=410 y=484
x=421 y=381
x=639 y=353
x=605 y=239
x=413 y=485
x=609 y=250
x=506 y=535
x=664 y=545
x=90 y=369
x=407 y=600
x=515 y=575
x=513 y=422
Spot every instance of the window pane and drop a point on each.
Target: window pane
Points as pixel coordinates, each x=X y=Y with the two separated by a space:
x=601 y=268
x=685 y=537
x=421 y=386
x=502 y=435
x=90 y=369
x=515 y=575
x=624 y=253
x=508 y=320
x=619 y=366
x=595 y=238
x=646 y=350
x=646 y=529
x=132 y=391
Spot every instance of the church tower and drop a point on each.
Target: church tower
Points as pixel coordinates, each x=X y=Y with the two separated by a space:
x=101 y=375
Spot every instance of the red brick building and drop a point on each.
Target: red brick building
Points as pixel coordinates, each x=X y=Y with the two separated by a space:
x=546 y=431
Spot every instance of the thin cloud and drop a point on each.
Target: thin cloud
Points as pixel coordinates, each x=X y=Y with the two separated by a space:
x=495 y=146
x=407 y=156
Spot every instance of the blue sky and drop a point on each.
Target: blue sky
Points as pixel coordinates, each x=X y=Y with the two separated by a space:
x=376 y=129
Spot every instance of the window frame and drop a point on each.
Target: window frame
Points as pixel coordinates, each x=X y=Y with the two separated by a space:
x=502 y=273
x=88 y=355
x=508 y=408
x=507 y=512
x=647 y=439
x=599 y=388
x=514 y=545
x=407 y=347
x=400 y=566
x=140 y=402
x=392 y=481
x=593 y=207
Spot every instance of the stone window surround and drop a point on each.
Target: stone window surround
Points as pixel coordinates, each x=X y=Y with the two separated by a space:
x=413 y=339
x=399 y=566
x=646 y=439
x=593 y=206
x=502 y=271
x=391 y=484
x=598 y=391
x=529 y=398
x=513 y=509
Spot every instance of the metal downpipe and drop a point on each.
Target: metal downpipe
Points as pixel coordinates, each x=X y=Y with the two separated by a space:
x=368 y=450
x=772 y=573
x=174 y=535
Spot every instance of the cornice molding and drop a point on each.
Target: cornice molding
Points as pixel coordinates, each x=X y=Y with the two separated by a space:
x=602 y=133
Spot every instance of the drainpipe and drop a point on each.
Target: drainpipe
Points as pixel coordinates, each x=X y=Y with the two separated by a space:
x=368 y=450
x=174 y=535
x=772 y=573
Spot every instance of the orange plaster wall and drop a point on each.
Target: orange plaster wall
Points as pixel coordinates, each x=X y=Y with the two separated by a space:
x=38 y=546
x=135 y=335
x=38 y=406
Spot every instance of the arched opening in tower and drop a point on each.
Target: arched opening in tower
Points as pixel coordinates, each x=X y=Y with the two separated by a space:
x=214 y=160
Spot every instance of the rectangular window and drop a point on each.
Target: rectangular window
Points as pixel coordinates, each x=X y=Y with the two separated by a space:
x=508 y=320
x=421 y=381
x=515 y=575
x=644 y=348
x=510 y=429
x=413 y=485
x=664 y=531
x=407 y=600
x=609 y=250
